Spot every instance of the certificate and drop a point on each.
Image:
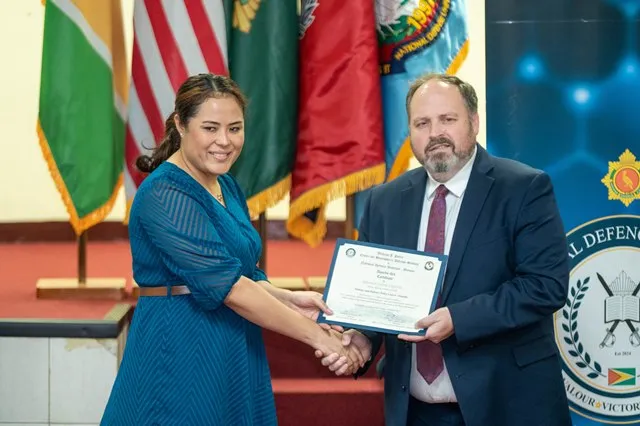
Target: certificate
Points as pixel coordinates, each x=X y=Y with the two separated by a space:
x=382 y=288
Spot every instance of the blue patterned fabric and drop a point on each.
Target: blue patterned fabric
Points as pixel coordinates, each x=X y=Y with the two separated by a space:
x=190 y=360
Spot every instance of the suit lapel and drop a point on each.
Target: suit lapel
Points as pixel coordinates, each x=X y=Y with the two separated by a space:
x=472 y=203
x=410 y=213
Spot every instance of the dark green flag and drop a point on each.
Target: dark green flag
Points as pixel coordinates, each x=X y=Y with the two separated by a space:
x=262 y=40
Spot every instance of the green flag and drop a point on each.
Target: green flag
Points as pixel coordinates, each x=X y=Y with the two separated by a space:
x=262 y=40
x=83 y=90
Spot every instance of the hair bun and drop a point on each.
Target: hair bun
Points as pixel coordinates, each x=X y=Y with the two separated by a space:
x=143 y=163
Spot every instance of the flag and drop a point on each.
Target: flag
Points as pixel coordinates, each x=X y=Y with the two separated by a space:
x=340 y=141
x=415 y=38
x=263 y=60
x=172 y=41
x=621 y=377
x=81 y=116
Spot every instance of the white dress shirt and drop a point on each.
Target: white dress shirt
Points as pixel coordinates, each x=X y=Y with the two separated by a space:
x=440 y=390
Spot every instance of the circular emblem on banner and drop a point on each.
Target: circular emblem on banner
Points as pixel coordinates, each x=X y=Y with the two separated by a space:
x=597 y=330
x=626 y=180
x=623 y=178
x=407 y=27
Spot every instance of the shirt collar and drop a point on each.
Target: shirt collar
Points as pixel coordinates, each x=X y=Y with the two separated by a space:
x=458 y=183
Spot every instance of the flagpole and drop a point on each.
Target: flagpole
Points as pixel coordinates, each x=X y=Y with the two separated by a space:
x=81 y=286
x=82 y=259
x=349 y=225
x=262 y=230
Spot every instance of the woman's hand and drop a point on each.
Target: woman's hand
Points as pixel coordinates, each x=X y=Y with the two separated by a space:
x=309 y=304
x=358 y=344
x=331 y=342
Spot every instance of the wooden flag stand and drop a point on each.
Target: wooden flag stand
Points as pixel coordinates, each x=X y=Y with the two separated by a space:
x=287 y=283
x=81 y=287
x=262 y=230
x=349 y=223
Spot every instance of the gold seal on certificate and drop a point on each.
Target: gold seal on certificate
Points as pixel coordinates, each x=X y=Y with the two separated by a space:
x=382 y=288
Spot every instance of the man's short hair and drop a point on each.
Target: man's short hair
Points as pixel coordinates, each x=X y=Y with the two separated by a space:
x=466 y=90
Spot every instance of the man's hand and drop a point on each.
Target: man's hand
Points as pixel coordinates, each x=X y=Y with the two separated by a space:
x=439 y=326
x=354 y=341
x=309 y=304
x=330 y=342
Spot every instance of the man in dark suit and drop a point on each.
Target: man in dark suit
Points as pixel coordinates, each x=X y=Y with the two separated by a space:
x=489 y=356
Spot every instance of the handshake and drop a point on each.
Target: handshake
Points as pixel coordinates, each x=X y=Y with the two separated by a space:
x=343 y=352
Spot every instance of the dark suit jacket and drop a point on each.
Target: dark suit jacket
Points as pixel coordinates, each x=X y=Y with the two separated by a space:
x=507 y=274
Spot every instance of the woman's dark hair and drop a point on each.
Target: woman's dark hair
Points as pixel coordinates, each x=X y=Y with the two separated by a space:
x=191 y=94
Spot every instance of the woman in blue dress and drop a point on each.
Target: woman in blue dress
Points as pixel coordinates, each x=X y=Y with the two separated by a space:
x=194 y=354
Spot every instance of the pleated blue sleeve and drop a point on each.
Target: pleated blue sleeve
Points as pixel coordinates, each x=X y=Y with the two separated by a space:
x=190 y=246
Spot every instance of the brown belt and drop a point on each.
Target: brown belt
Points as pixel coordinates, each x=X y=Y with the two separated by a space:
x=176 y=290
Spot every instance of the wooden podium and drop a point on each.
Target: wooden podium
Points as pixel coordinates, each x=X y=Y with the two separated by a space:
x=81 y=287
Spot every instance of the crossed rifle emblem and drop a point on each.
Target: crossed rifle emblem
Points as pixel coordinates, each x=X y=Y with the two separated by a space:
x=621 y=306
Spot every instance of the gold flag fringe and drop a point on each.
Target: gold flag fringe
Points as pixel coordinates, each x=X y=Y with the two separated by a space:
x=312 y=233
x=401 y=162
x=79 y=224
x=269 y=197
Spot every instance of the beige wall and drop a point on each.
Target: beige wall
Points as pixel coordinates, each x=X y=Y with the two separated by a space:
x=27 y=193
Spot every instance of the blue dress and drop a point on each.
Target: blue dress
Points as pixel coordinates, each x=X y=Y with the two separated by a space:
x=190 y=360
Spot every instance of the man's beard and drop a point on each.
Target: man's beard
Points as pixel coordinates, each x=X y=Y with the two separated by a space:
x=443 y=162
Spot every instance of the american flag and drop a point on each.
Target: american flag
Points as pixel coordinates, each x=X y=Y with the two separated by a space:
x=172 y=40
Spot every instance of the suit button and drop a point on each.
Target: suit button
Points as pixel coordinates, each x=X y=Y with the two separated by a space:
x=404 y=388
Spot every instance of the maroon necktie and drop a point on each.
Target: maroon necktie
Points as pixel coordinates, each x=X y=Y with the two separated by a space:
x=429 y=354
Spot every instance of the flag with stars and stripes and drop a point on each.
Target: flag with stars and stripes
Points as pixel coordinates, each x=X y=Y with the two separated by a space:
x=253 y=41
x=172 y=40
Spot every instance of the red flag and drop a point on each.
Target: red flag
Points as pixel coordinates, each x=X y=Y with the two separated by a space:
x=340 y=148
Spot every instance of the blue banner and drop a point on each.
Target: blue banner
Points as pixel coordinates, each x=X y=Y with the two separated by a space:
x=563 y=95
x=415 y=38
